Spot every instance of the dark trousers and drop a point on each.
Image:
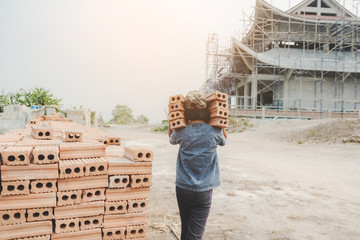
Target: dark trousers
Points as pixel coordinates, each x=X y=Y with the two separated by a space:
x=194 y=210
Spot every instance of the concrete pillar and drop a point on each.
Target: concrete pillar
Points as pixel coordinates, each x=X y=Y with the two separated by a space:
x=237 y=102
x=246 y=95
x=263 y=113
x=286 y=101
x=254 y=89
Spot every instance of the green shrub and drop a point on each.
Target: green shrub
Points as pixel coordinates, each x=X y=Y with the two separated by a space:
x=163 y=127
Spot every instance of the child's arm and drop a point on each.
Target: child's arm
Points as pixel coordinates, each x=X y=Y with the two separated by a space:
x=225 y=134
x=170 y=130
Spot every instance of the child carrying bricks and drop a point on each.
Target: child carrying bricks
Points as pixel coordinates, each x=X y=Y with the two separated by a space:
x=197 y=169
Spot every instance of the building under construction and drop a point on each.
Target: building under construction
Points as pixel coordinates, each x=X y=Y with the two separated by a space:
x=304 y=61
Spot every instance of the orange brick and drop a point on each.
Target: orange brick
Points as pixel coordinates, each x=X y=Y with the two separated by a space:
x=46 y=154
x=10 y=217
x=119 y=181
x=29 y=141
x=118 y=194
x=90 y=195
x=177 y=123
x=67 y=225
x=95 y=166
x=219 y=122
x=34 y=121
x=137 y=205
x=103 y=140
x=73 y=136
x=68 y=197
x=219 y=112
x=43 y=132
x=82 y=150
x=71 y=168
x=15 y=187
x=176 y=106
x=43 y=186
x=42 y=237
x=117 y=207
x=122 y=220
x=176 y=115
x=114 y=140
x=114 y=233
x=217 y=104
x=140 y=181
x=83 y=183
x=39 y=214
x=9 y=139
x=216 y=96
x=124 y=166
x=135 y=231
x=138 y=154
x=79 y=210
x=28 y=201
x=92 y=222
x=176 y=98
x=25 y=230
x=16 y=156
x=114 y=152
x=92 y=234
x=32 y=171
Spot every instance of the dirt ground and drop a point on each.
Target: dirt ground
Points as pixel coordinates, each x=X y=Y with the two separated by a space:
x=273 y=186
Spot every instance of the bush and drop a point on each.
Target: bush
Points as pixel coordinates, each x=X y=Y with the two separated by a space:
x=163 y=127
x=36 y=96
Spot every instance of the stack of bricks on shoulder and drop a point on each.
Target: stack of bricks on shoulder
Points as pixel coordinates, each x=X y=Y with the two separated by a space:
x=216 y=104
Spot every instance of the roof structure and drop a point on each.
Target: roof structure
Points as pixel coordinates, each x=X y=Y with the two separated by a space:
x=298 y=59
x=320 y=8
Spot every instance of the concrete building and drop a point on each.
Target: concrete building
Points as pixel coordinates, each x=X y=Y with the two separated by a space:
x=304 y=60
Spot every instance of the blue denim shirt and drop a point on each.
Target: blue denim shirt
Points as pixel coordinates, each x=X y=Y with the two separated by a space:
x=197 y=166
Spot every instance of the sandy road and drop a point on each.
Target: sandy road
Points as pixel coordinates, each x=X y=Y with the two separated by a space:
x=271 y=189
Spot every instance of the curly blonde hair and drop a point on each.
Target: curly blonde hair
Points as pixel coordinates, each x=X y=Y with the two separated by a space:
x=195 y=100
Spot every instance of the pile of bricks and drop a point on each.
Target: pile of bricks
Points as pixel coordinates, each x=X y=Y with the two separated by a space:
x=61 y=180
x=216 y=104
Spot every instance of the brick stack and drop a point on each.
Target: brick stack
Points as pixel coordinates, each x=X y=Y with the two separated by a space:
x=127 y=197
x=59 y=180
x=176 y=112
x=216 y=104
x=218 y=108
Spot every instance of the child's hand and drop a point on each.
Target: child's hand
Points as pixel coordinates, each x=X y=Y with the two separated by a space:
x=225 y=134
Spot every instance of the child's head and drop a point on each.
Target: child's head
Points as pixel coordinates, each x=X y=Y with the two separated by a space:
x=195 y=106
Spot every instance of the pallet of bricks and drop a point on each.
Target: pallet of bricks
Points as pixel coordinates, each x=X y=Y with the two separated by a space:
x=216 y=104
x=61 y=180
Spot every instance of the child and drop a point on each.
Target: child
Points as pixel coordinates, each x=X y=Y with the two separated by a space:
x=197 y=169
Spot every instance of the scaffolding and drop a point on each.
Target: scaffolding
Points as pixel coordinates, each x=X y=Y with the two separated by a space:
x=290 y=61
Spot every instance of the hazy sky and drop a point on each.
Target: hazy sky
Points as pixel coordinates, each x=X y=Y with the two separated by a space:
x=100 y=53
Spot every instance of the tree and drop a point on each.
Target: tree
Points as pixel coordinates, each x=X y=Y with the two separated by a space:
x=142 y=119
x=122 y=114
